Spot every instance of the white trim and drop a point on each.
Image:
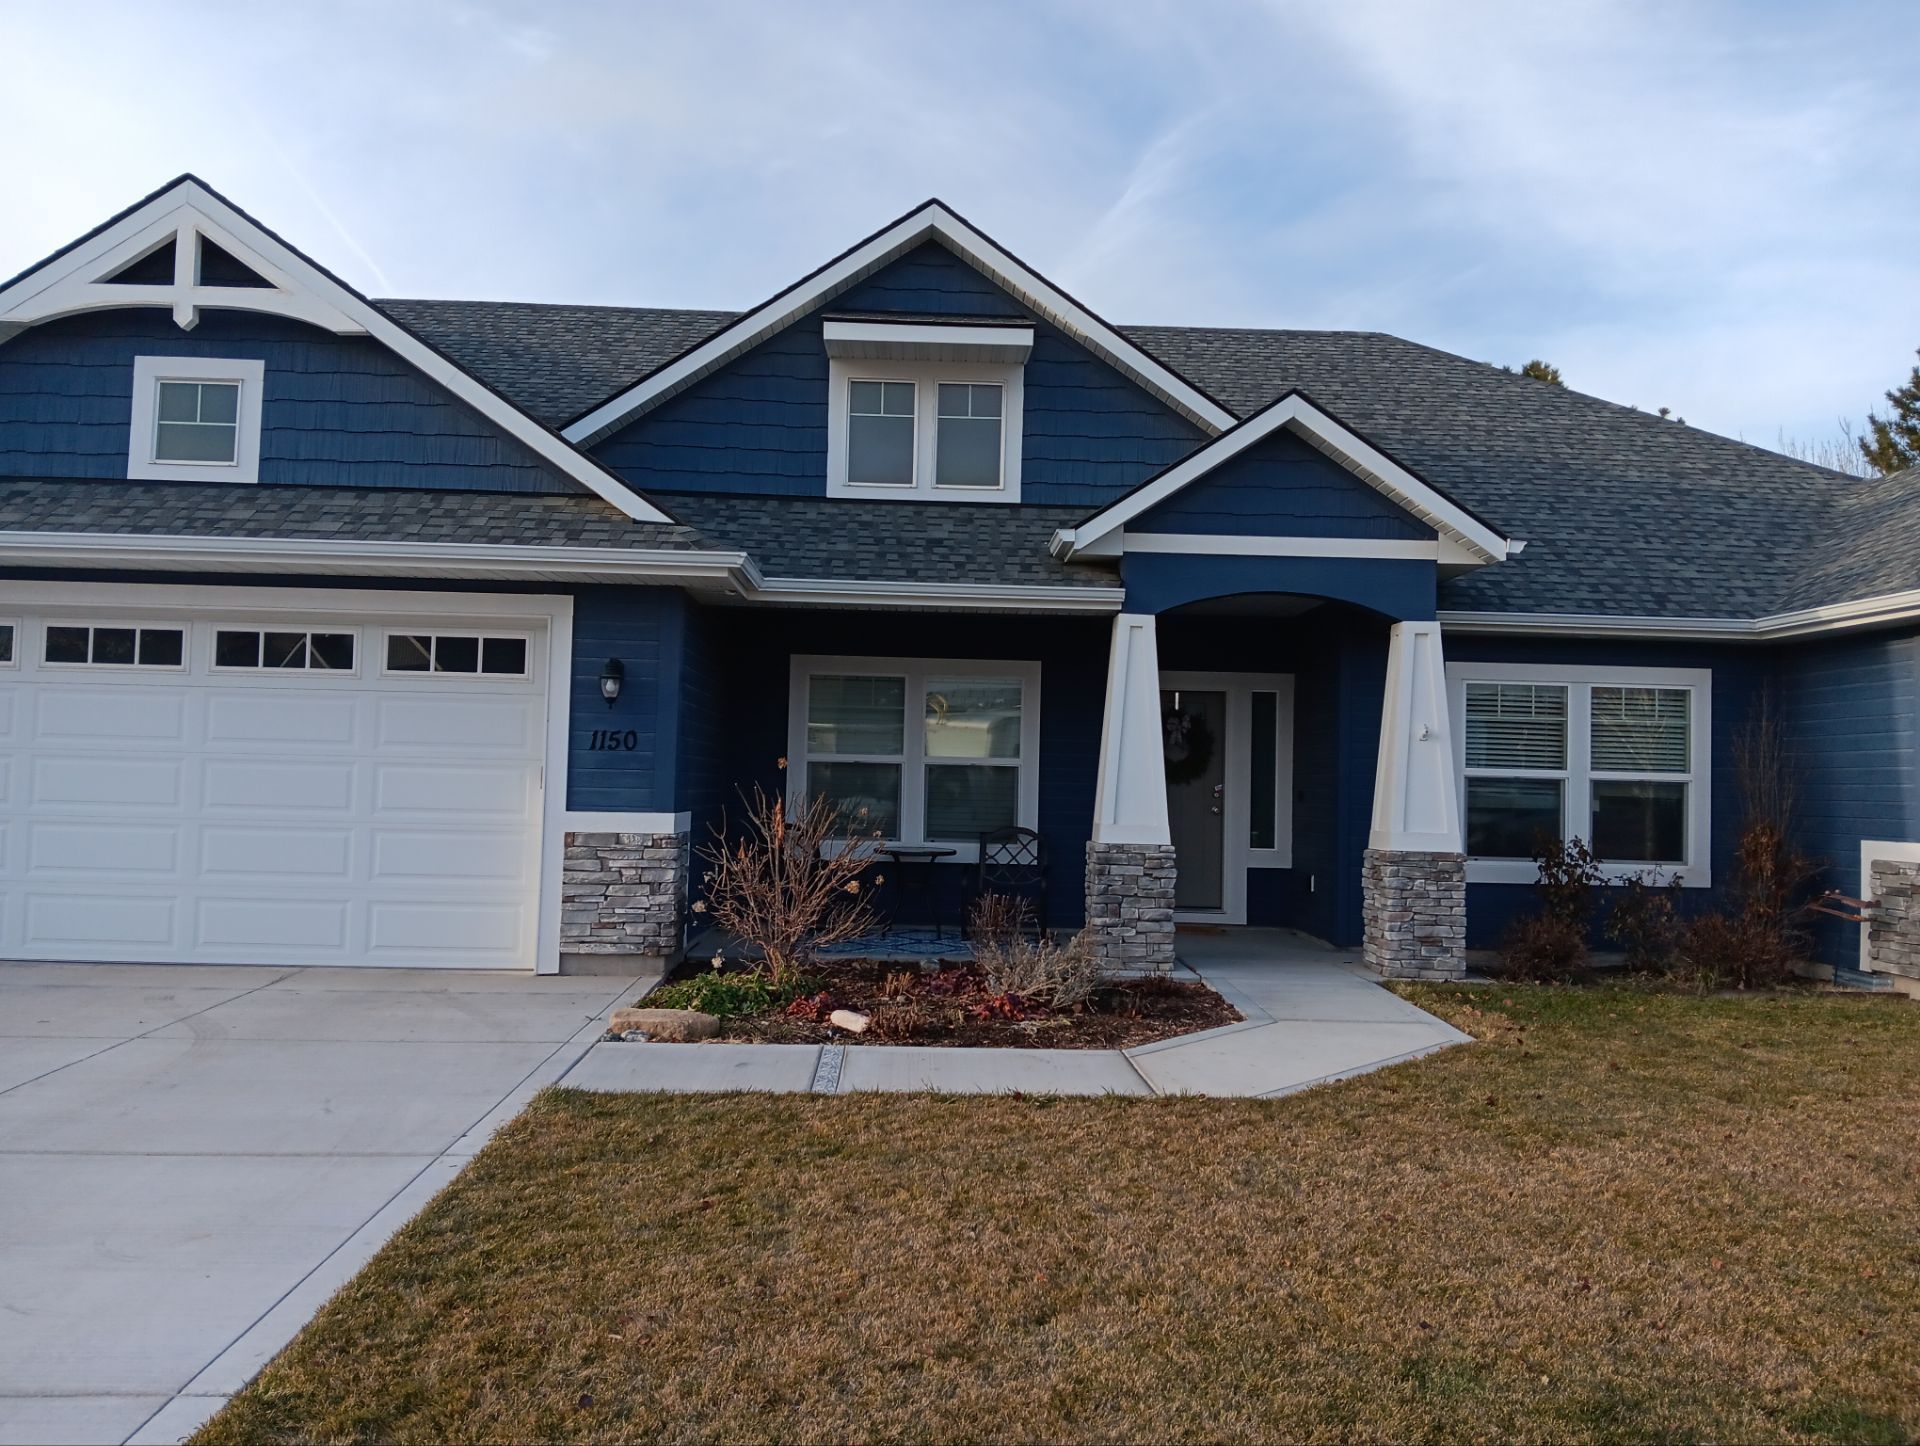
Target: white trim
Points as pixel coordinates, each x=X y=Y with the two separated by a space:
x=1886 y=850
x=15 y=639
x=218 y=602
x=604 y=822
x=112 y=621
x=722 y=572
x=261 y=670
x=931 y=221
x=1209 y=545
x=1881 y=611
x=387 y=631
x=1416 y=803
x=73 y=282
x=1130 y=792
x=1306 y=421
x=913 y=759
x=925 y=377
x=1239 y=855
x=1696 y=870
x=143 y=465
x=927 y=341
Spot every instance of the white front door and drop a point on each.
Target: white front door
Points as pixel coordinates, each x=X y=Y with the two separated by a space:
x=303 y=786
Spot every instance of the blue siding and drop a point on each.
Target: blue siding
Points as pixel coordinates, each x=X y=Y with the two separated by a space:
x=1851 y=709
x=644 y=628
x=338 y=411
x=1282 y=487
x=1400 y=588
x=759 y=424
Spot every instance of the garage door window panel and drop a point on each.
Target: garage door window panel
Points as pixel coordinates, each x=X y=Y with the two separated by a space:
x=458 y=654
x=7 y=631
x=245 y=649
x=79 y=645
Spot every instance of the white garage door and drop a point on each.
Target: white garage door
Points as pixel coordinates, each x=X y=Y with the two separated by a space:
x=313 y=789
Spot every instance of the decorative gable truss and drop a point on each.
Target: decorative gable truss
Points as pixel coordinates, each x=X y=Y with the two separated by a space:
x=932 y=221
x=188 y=249
x=1463 y=540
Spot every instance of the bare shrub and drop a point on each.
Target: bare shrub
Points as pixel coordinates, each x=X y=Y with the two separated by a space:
x=1757 y=942
x=1038 y=971
x=1551 y=945
x=789 y=886
x=1644 y=920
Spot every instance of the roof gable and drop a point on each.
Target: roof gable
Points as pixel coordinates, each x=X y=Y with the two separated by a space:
x=1472 y=540
x=224 y=259
x=932 y=221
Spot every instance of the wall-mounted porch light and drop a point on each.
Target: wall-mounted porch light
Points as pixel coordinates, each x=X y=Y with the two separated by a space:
x=611 y=677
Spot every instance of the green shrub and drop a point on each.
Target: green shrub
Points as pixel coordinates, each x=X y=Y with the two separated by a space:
x=727 y=994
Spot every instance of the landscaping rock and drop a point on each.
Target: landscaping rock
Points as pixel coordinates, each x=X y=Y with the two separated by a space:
x=846 y=1019
x=677 y=1026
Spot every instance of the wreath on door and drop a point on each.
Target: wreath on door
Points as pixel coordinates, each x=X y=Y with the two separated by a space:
x=1187 y=745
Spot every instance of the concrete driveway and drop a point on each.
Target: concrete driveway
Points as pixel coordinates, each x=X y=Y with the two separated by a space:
x=193 y=1159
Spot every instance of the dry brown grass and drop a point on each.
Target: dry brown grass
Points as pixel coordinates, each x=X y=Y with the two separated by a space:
x=1622 y=1216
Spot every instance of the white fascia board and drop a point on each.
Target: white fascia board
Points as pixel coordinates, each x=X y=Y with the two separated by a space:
x=931 y=341
x=1209 y=545
x=1883 y=611
x=723 y=571
x=928 y=221
x=1352 y=451
x=70 y=283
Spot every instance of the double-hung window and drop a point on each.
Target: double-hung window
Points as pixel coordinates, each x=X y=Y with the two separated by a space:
x=917 y=751
x=1617 y=757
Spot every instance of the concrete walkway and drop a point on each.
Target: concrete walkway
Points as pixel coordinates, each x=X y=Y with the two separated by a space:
x=193 y=1159
x=1312 y=1014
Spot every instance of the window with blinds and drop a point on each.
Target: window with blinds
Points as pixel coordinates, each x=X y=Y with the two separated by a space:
x=1640 y=730
x=1517 y=725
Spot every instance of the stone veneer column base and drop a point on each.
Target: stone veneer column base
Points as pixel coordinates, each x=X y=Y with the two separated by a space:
x=1893 y=929
x=622 y=896
x=1130 y=905
x=1414 y=910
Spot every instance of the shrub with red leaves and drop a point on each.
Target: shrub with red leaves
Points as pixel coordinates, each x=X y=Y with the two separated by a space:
x=813 y=1008
x=1000 y=1006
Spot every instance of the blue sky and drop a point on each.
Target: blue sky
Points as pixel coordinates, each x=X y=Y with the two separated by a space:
x=1710 y=206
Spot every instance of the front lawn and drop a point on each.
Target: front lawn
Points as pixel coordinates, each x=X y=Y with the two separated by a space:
x=1623 y=1215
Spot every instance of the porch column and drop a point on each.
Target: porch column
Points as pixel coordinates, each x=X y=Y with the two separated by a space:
x=1414 y=884
x=1130 y=866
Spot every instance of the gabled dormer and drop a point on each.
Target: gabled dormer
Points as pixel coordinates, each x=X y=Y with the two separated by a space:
x=925 y=364
x=182 y=341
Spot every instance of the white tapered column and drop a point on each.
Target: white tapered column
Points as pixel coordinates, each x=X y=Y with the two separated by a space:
x=1414 y=887
x=1130 y=863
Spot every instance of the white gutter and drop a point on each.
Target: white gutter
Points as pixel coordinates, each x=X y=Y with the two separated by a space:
x=728 y=571
x=1801 y=622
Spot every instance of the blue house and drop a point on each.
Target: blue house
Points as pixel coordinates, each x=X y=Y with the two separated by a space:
x=342 y=631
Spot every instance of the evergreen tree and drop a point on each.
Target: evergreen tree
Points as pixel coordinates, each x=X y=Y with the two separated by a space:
x=1894 y=442
x=1549 y=373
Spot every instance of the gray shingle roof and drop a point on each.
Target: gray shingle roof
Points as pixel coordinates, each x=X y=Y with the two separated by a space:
x=1622 y=512
x=787 y=537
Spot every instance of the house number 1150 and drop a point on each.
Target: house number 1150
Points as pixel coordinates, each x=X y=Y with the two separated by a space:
x=613 y=740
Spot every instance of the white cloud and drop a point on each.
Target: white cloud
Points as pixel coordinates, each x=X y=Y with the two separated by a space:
x=1710 y=206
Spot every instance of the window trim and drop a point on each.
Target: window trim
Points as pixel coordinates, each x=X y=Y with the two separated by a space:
x=12 y=660
x=1576 y=803
x=224 y=625
x=914 y=758
x=142 y=434
x=480 y=635
x=926 y=377
x=48 y=624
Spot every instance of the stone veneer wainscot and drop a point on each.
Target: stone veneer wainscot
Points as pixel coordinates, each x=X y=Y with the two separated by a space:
x=1130 y=905
x=1893 y=928
x=1414 y=913
x=624 y=894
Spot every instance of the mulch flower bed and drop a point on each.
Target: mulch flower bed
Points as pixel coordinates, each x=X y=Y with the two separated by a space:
x=950 y=1004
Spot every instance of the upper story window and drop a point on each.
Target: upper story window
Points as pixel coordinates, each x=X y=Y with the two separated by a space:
x=195 y=419
x=925 y=411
